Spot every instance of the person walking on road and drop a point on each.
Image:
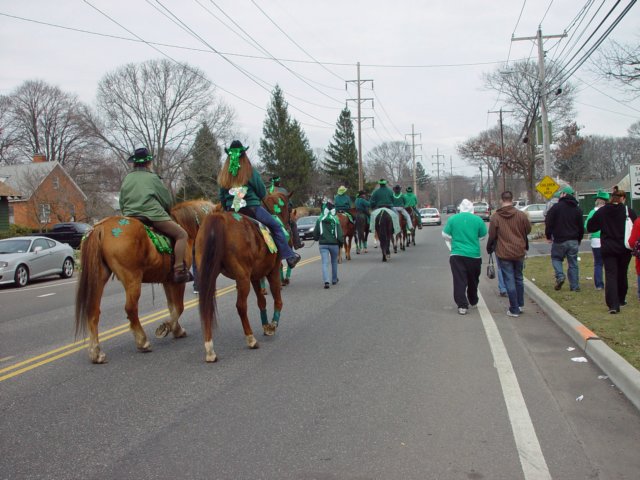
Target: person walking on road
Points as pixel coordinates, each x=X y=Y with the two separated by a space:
x=464 y=230
x=610 y=220
x=508 y=230
x=328 y=234
x=564 y=229
x=602 y=198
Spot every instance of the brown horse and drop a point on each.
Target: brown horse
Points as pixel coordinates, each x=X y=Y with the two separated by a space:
x=120 y=246
x=348 y=232
x=400 y=237
x=415 y=218
x=232 y=245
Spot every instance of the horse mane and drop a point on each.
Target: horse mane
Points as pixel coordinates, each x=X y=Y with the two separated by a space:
x=190 y=214
x=274 y=198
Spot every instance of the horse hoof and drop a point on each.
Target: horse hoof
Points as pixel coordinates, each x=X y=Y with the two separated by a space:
x=286 y=281
x=162 y=330
x=268 y=330
x=211 y=358
x=252 y=343
x=146 y=348
x=99 y=359
x=181 y=333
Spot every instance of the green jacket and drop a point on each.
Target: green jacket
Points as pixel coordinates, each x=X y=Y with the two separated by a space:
x=331 y=232
x=410 y=200
x=593 y=234
x=381 y=197
x=256 y=191
x=144 y=195
x=342 y=202
x=398 y=200
x=362 y=205
x=465 y=231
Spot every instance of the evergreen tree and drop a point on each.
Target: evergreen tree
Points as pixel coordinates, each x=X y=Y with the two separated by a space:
x=285 y=150
x=341 y=162
x=200 y=176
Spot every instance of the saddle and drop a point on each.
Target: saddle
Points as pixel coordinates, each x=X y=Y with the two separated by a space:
x=163 y=244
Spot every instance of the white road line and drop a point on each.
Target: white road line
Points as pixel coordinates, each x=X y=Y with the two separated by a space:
x=4 y=359
x=29 y=288
x=534 y=465
x=46 y=295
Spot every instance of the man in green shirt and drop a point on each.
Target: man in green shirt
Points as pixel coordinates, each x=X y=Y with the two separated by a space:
x=382 y=198
x=602 y=198
x=464 y=230
x=399 y=206
x=411 y=204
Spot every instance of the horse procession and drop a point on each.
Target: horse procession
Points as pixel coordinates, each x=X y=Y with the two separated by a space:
x=247 y=237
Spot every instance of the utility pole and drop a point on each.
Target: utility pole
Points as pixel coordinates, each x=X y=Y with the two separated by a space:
x=359 y=101
x=451 y=180
x=503 y=165
x=437 y=163
x=413 y=135
x=546 y=141
x=481 y=184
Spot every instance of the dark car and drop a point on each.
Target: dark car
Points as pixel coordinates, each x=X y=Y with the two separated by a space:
x=306 y=226
x=449 y=209
x=70 y=233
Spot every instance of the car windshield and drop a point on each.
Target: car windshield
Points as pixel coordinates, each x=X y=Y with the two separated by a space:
x=307 y=221
x=14 y=246
x=429 y=210
x=479 y=208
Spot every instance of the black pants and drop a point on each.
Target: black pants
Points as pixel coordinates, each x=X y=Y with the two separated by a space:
x=466 y=276
x=616 y=283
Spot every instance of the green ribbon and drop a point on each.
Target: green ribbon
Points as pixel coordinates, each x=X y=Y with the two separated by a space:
x=234 y=160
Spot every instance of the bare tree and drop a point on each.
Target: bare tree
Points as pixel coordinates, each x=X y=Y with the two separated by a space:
x=620 y=63
x=634 y=130
x=161 y=105
x=40 y=118
x=390 y=160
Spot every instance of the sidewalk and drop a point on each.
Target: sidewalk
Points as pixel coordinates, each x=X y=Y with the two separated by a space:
x=621 y=373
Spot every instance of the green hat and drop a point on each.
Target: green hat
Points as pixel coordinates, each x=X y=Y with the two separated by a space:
x=341 y=189
x=141 y=155
x=567 y=190
x=382 y=181
x=603 y=195
x=409 y=189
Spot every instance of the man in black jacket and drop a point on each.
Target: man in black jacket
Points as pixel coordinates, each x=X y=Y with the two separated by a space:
x=564 y=229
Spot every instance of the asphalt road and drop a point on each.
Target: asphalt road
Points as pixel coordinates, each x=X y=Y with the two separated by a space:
x=375 y=378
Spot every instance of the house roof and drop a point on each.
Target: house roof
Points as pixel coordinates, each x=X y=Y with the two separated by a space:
x=27 y=177
x=7 y=191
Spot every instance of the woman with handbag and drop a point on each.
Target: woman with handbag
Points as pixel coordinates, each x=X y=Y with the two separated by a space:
x=613 y=222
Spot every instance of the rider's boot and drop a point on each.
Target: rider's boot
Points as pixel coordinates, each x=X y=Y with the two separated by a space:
x=181 y=274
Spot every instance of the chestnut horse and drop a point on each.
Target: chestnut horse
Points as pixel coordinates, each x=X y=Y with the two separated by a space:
x=120 y=246
x=400 y=237
x=232 y=245
x=362 y=232
x=348 y=232
x=415 y=218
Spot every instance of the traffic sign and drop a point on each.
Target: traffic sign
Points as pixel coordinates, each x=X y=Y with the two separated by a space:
x=547 y=187
x=634 y=180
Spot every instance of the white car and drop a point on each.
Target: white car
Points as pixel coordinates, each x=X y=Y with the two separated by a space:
x=430 y=216
x=24 y=258
x=535 y=212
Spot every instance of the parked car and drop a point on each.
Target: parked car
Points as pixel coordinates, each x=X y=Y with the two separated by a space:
x=306 y=226
x=70 y=233
x=26 y=258
x=535 y=212
x=520 y=204
x=482 y=210
x=449 y=209
x=430 y=216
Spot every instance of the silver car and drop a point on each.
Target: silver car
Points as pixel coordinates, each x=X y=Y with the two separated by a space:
x=535 y=212
x=430 y=216
x=25 y=258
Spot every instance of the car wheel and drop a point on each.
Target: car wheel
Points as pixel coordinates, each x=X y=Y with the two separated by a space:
x=21 y=278
x=67 y=268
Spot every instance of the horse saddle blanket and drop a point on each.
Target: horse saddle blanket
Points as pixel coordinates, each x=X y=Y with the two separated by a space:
x=264 y=231
x=160 y=241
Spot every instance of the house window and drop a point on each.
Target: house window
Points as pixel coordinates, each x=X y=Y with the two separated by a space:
x=44 y=212
x=56 y=183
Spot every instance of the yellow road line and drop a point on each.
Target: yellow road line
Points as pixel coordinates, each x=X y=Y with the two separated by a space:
x=74 y=347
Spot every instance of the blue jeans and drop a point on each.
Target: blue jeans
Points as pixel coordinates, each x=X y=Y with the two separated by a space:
x=329 y=253
x=284 y=250
x=501 y=286
x=559 y=251
x=598 y=278
x=514 y=283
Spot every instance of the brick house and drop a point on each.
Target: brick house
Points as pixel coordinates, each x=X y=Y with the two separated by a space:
x=49 y=194
x=6 y=193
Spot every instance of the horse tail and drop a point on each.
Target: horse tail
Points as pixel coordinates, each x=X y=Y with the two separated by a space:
x=210 y=268
x=92 y=273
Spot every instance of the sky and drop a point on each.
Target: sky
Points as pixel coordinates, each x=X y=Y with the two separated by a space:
x=425 y=58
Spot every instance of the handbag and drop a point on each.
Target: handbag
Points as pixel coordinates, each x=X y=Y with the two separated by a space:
x=491 y=269
x=628 y=226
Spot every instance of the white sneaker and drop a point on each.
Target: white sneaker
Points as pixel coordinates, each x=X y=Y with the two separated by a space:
x=521 y=309
x=462 y=311
x=515 y=315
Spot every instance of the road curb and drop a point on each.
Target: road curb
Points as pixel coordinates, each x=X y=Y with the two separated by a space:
x=621 y=372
